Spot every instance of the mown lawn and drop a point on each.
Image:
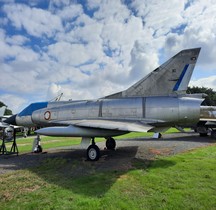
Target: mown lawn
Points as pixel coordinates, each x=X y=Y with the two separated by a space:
x=25 y=144
x=184 y=181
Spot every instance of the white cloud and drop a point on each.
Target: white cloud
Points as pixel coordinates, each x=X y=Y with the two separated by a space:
x=69 y=54
x=19 y=82
x=161 y=16
x=112 y=10
x=37 y=22
x=53 y=91
x=199 y=19
x=70 y=12
x=58 y=4
x=142 y=59
x=101 y=47
x=13 y=102
x=89 y=32
x=209 y=82
x=17 y=40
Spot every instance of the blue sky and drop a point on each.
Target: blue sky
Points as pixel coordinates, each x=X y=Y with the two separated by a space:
x=88 y=49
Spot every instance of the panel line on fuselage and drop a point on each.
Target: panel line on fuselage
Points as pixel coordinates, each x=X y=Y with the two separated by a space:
x=143 y=106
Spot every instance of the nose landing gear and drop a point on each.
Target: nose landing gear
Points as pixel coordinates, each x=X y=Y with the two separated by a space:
x=37 y=148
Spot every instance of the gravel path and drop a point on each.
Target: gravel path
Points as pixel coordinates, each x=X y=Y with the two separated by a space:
x=127 y=151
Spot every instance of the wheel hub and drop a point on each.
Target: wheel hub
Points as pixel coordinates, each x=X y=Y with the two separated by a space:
x=92 y=153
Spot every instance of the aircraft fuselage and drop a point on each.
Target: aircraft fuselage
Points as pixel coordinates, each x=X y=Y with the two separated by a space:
x=167 y=111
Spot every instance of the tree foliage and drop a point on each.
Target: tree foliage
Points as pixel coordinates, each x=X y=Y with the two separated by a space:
x=211 y=94
x=7 y=111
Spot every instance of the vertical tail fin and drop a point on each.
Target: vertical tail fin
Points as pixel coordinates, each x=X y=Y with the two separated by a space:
x=171 y=77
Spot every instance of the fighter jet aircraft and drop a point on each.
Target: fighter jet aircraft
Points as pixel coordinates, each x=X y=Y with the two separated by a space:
x=155 y=103
x=8 y=128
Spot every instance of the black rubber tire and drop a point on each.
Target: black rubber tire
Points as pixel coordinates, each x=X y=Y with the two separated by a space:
x=39 y=149
x=213 y=134
x=110 y=143
x=203 y=134
x=93 y=153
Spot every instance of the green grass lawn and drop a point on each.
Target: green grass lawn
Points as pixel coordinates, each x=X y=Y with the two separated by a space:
x=184 y=181
x=25 y=144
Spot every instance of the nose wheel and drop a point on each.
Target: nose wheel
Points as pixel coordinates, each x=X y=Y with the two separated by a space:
x=36 y=148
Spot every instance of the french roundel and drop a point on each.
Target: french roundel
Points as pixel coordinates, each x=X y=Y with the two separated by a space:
x=47 y=115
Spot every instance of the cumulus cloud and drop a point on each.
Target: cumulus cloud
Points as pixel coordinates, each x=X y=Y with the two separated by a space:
x=13 y=102
x=95 y=48
x=53 y=91
x=71 y=54
x=142 y=61
x=209 y=82
x=161 y=16
x=197 y=31
x=70 y=12
x=35 y=21
x=17 y=40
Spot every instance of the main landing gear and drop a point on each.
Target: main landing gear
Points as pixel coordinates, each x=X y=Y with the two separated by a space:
x=213 y=134
x=204 y=130
x=93 y=151
x=110 y=143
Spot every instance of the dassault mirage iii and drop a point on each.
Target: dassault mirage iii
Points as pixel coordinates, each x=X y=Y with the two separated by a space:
x=155 y=103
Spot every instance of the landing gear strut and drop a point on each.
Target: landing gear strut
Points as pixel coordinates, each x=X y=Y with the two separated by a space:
x=93 y=151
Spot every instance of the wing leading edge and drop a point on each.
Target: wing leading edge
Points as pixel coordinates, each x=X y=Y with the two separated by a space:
x=96 y=128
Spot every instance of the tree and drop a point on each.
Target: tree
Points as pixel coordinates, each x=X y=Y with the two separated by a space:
x=210 y=100
x=7 y=111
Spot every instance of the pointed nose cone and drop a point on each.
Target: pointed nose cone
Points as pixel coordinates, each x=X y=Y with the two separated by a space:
x=11 y=120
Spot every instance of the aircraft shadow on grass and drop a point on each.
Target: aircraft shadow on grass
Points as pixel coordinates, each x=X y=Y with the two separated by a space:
x=68 y=169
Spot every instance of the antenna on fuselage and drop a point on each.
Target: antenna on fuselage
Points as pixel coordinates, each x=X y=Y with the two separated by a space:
x=57 y=98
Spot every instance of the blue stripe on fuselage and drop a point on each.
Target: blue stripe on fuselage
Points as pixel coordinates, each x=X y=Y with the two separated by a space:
x=176 y=87
x=32 y=107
